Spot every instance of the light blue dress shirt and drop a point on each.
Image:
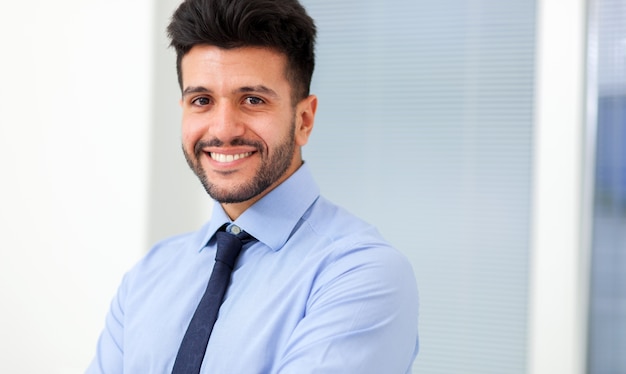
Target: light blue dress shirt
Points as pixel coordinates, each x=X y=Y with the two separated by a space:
x=319 y=292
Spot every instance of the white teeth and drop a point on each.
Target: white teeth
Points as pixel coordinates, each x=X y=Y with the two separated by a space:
x=219 y=157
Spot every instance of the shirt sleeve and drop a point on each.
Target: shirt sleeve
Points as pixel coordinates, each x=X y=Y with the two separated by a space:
x=110 y=348
x=361 y=318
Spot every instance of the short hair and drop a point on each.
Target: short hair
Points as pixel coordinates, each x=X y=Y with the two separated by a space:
x=282 y=25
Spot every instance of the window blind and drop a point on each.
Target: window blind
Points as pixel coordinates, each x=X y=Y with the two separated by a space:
x=424 y=128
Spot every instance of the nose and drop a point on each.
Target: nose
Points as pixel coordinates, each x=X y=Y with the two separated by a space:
x=226 y=122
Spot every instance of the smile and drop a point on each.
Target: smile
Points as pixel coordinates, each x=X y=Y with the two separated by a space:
x=220 y=157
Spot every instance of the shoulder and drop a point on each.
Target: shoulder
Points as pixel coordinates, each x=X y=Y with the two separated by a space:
x=338 y=226
x=357 y=270
x=169 y=247
x=166 y=254
x=349 y=244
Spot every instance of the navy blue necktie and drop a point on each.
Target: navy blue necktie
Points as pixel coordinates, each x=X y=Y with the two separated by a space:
x=192 y=349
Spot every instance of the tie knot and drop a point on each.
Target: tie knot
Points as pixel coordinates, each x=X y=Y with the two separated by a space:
x=229 y=244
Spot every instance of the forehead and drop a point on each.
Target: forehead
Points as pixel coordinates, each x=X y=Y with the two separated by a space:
x=210 y=65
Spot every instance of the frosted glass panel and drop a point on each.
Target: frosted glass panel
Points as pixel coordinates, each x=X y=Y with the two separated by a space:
x=425 y=129
x=607 y=327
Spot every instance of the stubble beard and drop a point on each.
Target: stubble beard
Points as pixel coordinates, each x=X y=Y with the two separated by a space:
x=272 y=168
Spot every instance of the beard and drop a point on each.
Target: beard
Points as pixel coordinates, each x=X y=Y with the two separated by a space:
x=272 y=168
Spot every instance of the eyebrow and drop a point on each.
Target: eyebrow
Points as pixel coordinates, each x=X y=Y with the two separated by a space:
x=258 y=89
x=195 y=89
x=246 y=89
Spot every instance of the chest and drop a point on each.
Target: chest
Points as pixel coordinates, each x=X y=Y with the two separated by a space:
x=264 y=303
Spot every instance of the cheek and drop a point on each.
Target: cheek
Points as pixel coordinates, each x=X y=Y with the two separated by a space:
x=273 y=137
x=190 y=132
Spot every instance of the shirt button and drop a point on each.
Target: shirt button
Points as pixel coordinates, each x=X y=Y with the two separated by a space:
x=234 y=229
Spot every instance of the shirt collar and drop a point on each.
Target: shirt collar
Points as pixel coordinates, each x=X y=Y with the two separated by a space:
x=270 y=220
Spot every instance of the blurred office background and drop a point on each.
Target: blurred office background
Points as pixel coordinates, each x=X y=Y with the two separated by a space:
x=486 y=139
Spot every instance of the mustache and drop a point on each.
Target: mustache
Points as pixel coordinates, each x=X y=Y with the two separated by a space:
x=218 y=143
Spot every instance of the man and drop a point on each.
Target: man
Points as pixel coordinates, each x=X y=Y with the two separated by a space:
x=314 y=289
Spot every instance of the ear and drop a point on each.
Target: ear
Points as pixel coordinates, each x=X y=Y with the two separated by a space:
x=305 y=118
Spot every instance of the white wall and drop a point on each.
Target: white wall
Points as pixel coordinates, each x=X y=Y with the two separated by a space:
x=177 y=201
x=74 y=143
x=92 y=172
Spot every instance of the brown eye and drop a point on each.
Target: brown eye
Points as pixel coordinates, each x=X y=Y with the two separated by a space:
x=201 y=101
x=253 y=100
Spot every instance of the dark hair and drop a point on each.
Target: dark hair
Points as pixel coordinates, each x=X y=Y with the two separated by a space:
x=282 y=25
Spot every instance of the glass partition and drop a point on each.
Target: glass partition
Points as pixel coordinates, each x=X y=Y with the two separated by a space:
x=607 y=323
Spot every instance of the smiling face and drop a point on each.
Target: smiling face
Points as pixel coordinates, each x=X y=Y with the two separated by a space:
x=241 y=131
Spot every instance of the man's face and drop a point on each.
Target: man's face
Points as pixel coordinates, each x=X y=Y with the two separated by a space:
x=241 y=132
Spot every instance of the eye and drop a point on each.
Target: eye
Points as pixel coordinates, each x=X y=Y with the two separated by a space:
x=201 y=101
x=253 y=100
